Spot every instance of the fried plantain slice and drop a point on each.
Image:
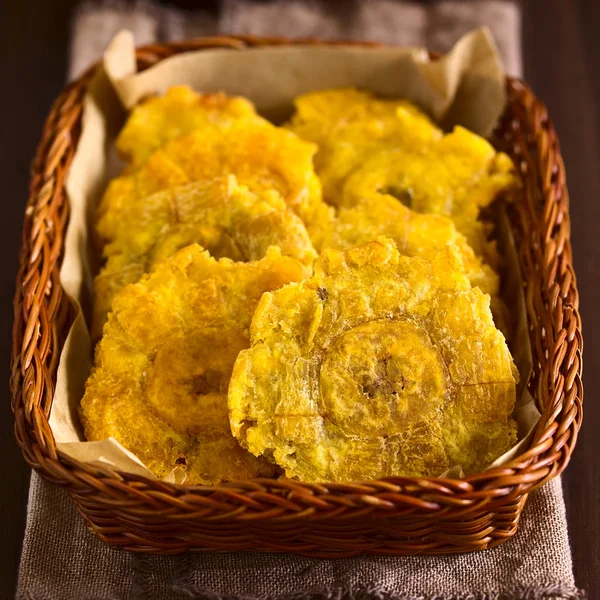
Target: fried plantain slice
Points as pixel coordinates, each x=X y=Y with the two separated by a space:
x=159 y=385
x=377 y=366
x=180 y=110
x=223 y=217
x=359 y=115
x=348 y=124
x=262 y=157
x=414 y=234
x=457 y=177
x=370 y=147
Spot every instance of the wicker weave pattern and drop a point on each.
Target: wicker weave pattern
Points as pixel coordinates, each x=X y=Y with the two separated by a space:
x=399 y=516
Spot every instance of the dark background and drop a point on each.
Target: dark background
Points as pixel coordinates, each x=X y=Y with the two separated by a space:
x=561 y=46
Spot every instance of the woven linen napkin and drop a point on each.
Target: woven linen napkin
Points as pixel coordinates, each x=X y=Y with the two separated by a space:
x=61 y=560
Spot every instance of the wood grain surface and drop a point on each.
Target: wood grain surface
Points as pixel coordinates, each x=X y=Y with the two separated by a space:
x=561 y=44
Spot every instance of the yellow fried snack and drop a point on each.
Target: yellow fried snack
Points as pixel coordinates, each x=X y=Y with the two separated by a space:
x=159 y=385
x=414 y=234
x=223 y=217
x=379 y=365
x=457 y=176
x=260 y=155
x=372 y=147
x=158 y=120
x=326 y=114
x=349 y=124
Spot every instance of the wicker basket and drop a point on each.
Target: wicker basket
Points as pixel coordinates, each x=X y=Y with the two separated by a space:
x=395 y=516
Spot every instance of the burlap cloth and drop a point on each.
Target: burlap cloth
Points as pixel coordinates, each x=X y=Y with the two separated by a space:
x=61 y=560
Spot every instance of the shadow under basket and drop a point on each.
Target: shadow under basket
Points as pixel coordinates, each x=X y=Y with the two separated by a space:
x=393 y=516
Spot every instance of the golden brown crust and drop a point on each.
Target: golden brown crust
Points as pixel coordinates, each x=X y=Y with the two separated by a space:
x=162 y=367
x=415 y=234
x=158 y=120
x=359 y=372
x=457 y=176
x=373 y=148
x=262 y=157
x=348 y=124
x=223 y=217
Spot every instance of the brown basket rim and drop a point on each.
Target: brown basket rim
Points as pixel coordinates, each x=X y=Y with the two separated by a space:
x=41 y=312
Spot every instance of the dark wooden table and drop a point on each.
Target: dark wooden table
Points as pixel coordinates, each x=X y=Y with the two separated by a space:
x=561 y=44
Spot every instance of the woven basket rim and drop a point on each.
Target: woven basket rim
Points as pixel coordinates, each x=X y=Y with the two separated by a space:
x=553 y=439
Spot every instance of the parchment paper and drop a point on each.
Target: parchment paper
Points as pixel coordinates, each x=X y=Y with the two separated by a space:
x=465 y=87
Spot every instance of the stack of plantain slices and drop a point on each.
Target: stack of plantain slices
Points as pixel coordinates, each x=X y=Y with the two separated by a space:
x=310 y=300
